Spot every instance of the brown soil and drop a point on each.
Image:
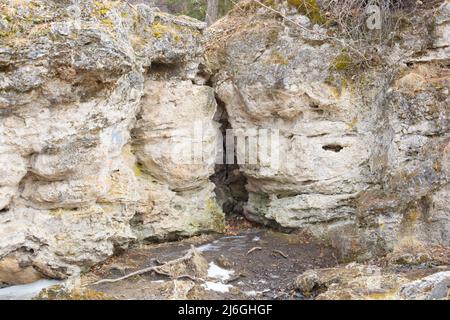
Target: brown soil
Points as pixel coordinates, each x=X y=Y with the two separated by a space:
x=267 y=272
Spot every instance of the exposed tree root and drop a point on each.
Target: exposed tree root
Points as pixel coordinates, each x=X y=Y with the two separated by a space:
x=167 y=269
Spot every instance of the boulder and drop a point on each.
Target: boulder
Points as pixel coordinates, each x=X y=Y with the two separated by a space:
x=86 y=91
x=361 y=157
x=433 y=287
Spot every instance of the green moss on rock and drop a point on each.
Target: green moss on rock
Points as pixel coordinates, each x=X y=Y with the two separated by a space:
x=217 y=221
x=342 y=62
x=309 y=8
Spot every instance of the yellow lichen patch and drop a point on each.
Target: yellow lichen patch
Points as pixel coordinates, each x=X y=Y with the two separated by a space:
x=11 y=28
x=159 y=30
x=102 y=11
x=5 y=34
x=138 y=169
x=352 y=124
x=107 y=22
x=101 y=8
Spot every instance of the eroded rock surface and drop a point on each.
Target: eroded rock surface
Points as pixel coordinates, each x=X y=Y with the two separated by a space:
x=433 y=287
x=100 y=102
x=91 y=96
x=364 y=154
x=370 y=282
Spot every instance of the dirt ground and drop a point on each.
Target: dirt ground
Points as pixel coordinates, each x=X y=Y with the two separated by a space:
x=261 y=264
x=247 y=262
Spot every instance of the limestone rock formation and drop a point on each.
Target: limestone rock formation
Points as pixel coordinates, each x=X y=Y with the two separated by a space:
x=109 y=131
x=369 y=282
x=364 y=154
x=351 y=282
x=433 y=287
x=91 y=95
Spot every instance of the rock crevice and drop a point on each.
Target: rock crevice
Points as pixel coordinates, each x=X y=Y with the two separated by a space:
x=95 y=96
x=111 y=115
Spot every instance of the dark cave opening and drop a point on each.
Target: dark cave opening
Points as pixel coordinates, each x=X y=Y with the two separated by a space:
x=229 y=180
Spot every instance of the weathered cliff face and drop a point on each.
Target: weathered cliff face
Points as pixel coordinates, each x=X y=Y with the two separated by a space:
x=364 y=152
x=100 y=101
x=91 y=95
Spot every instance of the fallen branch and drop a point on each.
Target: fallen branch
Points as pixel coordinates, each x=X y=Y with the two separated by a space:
x=234 y=278
x=253 y=249
x=158 y=270
x=133 y=274
x=281 y=253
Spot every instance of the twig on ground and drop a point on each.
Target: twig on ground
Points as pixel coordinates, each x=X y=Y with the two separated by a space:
x=253 y=249
x=157 y=270
x=187 y=276
x=133 y=274
x=235 y=278
x=281 y=253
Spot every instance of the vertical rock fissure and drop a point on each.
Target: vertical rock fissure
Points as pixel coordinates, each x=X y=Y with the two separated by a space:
x=228 y=179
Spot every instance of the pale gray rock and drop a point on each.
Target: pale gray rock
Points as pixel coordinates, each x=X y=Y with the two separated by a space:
x=370 y=282
x=99 y=102
x=73 y=188
x=363 y=154
x=434 y=287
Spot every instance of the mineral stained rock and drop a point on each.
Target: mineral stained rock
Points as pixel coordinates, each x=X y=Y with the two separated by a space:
x=92 y=94
x=100 y=101
x=364 y=154
x=433 y=287
x=369 y=282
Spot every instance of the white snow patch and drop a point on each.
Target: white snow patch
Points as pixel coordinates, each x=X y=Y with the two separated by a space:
x=217 y=286
x=158 y=281
x=252 y=293
x=26 y=291
x=214 y=271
